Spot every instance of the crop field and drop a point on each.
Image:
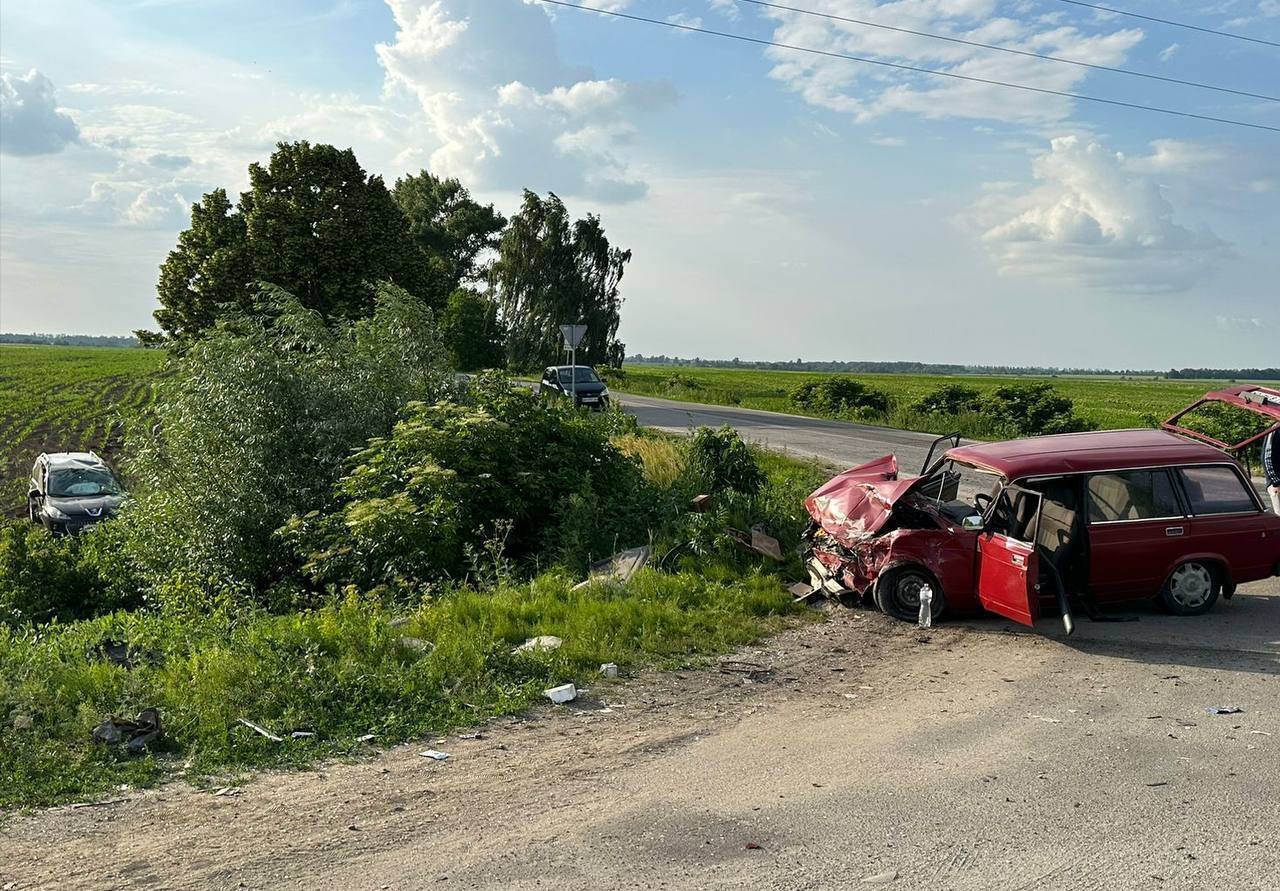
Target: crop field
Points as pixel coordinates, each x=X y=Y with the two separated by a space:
x=1110 y=403
x=55 y=398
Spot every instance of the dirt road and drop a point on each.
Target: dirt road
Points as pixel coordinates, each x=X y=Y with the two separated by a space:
x=852 y=750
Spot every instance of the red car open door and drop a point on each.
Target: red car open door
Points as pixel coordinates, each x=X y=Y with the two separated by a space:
x=1008 y=565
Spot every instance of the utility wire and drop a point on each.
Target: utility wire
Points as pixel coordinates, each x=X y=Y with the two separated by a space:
x=1151 y=18
x=901 y=67
x=1011 y=50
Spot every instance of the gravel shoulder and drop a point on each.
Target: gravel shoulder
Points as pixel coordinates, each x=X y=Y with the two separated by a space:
x=857 y=748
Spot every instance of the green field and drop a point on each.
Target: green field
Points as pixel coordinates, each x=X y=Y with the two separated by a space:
x=55 y=398
x=1110 y=403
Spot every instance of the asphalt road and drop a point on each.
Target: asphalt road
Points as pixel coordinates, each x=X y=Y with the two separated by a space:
x=838 y=442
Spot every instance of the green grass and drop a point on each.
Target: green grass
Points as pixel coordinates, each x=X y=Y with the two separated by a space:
x=1110 y=403
x=341 y=671
x=55 y=398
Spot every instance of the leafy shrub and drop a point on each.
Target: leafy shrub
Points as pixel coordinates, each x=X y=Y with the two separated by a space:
x=720 y=461
x=413 y=505
x=1031 y=410
x=949 y=399
x=840 y=395
x=43 y=578
x=678 y=381
x=254 y=424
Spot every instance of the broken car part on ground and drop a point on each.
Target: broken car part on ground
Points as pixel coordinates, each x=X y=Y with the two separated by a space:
x=1075 y=518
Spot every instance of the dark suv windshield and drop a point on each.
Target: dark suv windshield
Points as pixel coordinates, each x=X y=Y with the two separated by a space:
x=582 y=375
x=82 y=482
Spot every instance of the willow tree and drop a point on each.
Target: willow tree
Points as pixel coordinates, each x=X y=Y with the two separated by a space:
x=551 y=271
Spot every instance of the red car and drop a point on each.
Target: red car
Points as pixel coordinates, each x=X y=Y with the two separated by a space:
x=1010 y=527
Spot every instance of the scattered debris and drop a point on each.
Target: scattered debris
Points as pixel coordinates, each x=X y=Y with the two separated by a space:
x=104 y=803
x=23 y=722
x=562 y=694
x=752 y=846
x=1045 y=719
x=757 y=541
x=805 y=594
x=435 y=755
x=1260 y=732
x=227 y=791
x=417 y=644
x=701 y=504
x=301 y=734
x=1224 y=710
x=609 y=669
x=541 y=642
x=260 y=730
x=368 y=737
x=136 y=734
x=1160 y=783
x=618 y=568
x=763 y=543
x=476 y=735
x=880 y=878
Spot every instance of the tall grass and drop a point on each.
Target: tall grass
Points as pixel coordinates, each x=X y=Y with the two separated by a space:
x=342 y=671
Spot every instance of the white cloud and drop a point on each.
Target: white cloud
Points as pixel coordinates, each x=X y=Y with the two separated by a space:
x=1168 y=52
x=1094 y=220
x=30 y=122
x=504 y=110
x=867 y=91
x=685 y=20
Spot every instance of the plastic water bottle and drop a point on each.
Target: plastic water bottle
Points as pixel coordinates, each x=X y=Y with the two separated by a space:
x=926 y=606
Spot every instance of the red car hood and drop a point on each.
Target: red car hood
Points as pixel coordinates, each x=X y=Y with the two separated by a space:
x=855 y=505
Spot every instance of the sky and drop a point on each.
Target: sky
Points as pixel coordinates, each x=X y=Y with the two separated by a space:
x=778 y=204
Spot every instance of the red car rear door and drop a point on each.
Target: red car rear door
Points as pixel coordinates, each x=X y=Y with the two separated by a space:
x=1008 y=565
x=1227 y=522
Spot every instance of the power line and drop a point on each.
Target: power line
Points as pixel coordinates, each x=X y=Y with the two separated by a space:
x=901 y=67
x=1151 y=18
x=1011 y=50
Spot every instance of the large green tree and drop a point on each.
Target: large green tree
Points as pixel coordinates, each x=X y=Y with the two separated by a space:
x=312 y=223
x=551 y=272
x=208 y=272
x=447 y=225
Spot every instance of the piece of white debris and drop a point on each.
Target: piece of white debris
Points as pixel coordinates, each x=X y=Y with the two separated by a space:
x=435 y=755
x=562 y=694
x=260 y=730
x=609 y=669
x=541 y=642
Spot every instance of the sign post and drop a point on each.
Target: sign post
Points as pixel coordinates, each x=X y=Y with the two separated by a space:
x=573 y=335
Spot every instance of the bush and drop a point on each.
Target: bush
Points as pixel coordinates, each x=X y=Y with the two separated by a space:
x=502 y=479
x=254 y=424
x=678 y=381
x=720 y=461
x=949 y=399
x=1031 y=410
x=840 y=395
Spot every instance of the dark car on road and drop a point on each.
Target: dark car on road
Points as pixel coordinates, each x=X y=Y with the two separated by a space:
x=580 y=380
x=71 y=490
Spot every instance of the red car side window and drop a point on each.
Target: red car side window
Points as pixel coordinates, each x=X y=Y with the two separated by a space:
x=1216 y=490
x=1132 y=495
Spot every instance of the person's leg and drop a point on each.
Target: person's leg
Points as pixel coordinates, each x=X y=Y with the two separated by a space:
x=1274 y=492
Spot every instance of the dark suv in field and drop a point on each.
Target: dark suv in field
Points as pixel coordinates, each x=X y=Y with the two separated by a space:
x=71 y=490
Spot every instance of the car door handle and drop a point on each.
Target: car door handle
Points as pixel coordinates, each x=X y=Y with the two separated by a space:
x=1018 y=559
x=1173 y=531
